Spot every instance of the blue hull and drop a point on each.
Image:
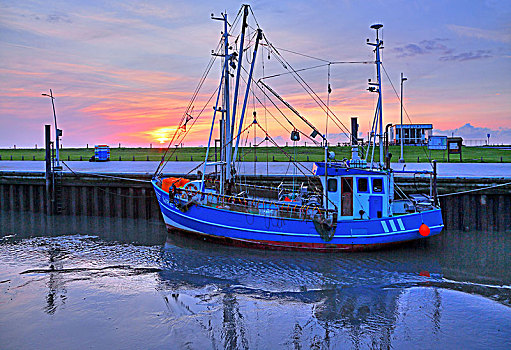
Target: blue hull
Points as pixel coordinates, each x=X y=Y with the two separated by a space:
x=275 y=232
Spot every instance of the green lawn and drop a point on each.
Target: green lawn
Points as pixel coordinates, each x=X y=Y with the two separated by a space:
x=412 y=154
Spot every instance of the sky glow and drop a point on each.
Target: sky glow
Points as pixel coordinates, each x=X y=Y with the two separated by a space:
x=124 y=71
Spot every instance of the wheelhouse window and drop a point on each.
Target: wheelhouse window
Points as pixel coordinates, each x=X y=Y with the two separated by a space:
x=332 y=185
x=377 y=185
x=362 y=185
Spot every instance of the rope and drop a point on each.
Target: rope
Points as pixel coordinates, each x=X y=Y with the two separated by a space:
x=475 y=190
x=307 y=88
x=298 y=70
x=190 y=104
x=123 y=195
x=76 y=173
x=67 y=166
x=263 y=105
x=115 y=177
x=304 y=55
x=183 y=135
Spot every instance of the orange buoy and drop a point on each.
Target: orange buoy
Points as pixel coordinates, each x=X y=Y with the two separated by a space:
x=424 y=230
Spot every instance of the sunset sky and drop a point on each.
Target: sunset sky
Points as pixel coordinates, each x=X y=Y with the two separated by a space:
x=124 y=71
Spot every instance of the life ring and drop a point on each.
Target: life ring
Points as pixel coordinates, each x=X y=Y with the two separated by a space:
x=191 y=190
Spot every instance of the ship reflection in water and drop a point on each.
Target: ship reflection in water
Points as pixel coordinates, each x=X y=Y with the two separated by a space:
x=120 y=283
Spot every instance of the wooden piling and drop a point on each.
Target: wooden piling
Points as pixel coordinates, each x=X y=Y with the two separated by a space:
x=87 y=195
x=48 y=173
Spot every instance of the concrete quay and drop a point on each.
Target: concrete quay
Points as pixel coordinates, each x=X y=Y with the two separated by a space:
x=450 y=170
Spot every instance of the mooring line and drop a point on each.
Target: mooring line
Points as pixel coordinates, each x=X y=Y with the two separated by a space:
x=475 y=190
x=116 y=177
x=102 y=175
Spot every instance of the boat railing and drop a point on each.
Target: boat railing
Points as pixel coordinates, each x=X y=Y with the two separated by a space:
x=252 y=205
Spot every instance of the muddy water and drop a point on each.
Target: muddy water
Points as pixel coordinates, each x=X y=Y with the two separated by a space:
x=124 y=284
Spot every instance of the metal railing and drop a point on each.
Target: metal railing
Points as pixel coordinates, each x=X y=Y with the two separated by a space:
x=251 y=205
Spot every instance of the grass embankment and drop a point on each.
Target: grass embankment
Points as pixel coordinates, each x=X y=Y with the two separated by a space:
x=412 y=154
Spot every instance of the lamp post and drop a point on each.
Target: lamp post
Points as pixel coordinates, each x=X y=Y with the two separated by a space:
x=57 y=131
x=402 y=160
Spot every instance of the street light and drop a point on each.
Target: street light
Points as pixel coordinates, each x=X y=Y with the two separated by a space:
x=402 y=160
x=57 y=131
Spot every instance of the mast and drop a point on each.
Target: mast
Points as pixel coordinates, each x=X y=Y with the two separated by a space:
x=224 y=122
x=401 y=160
x=216 y=109
x=238 y=73
x=326 y=172
x=228 y=136
x=354 y=139
x=254 y=55
x=379 y=107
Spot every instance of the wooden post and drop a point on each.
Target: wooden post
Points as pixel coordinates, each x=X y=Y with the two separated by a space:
x=48 y=174
x=435 y=194
x=42 y=203
x=11 y=197
x=129 y=203
x=83 y=197
x=2 y=200
x=118 y=204
x=142 y=211
x=74 y=207
x=107 y=202
x=95 y=201
x=31 y=205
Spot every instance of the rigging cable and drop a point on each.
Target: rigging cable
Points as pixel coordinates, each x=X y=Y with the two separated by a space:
x=298 y=165
x=404 y=109
x=265 y=94
x=190 y=104
x=181 y=138
x=298 y=70
x=474 y=190
x=194 y=96
x=307 y=88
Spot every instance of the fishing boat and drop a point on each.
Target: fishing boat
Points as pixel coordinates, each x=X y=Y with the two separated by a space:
x=344 y=205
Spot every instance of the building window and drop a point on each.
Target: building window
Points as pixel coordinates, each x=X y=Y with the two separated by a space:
x=362 y=185
x=332 y=185
x=377 y=185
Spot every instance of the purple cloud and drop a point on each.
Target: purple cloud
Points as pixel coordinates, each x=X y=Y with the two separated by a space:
x=472 y=133
x=423 y=47
x=468 y=56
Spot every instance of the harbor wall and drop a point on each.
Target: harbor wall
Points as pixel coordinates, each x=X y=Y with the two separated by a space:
x=132 y=197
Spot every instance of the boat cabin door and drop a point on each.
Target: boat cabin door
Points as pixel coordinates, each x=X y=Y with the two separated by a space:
x=346 y=196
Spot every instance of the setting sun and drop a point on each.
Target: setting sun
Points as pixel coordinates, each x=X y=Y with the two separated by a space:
x=161 y=135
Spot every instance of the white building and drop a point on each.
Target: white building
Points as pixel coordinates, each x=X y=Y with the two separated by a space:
x=413 y=134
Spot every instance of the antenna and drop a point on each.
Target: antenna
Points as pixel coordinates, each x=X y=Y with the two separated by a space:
x=376 y=87
x=377 y=27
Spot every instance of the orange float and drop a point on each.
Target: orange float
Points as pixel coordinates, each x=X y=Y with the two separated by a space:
x=424 y=230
